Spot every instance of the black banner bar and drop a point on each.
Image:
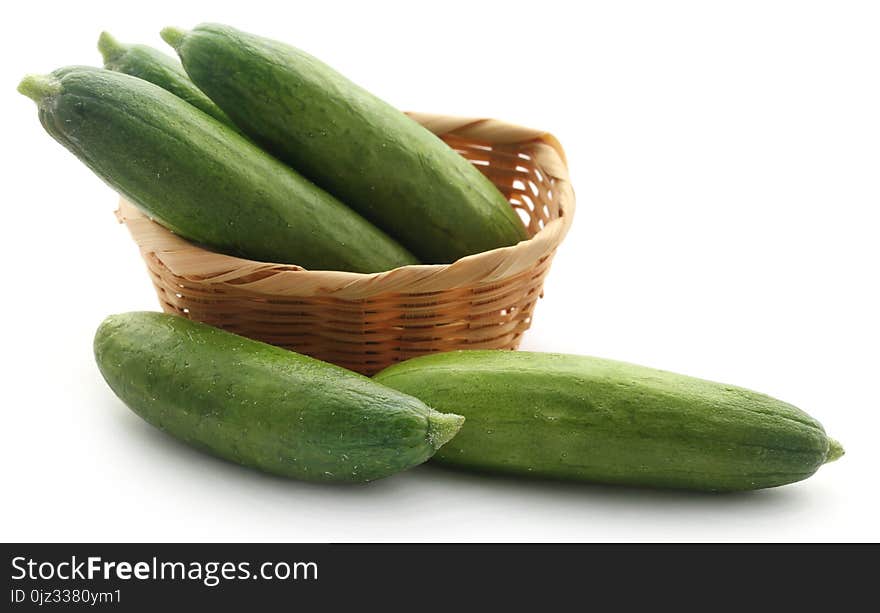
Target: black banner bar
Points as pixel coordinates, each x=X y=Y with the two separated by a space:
x=262 y=577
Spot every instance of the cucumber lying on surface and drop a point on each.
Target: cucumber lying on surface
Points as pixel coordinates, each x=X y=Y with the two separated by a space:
x=577 y=417
x=262 y=406
x=201 y=179
x=158 y=68
x=370 y=155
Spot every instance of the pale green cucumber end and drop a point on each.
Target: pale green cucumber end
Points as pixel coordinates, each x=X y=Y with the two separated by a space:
x=38 y=87
x=835 y=451
x=173 y=36
x=110 y=48
x=442 y=427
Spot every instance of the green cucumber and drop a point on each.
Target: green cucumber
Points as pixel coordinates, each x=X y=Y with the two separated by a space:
x=262 y=406
x=576 y=417
x=371 y=156
x=158 y=68
x=200 y=178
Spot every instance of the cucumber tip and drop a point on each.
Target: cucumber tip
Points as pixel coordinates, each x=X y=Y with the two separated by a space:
x=442 y=427
x=173 y=36
x=835 y=451
x=38 y=87
x=109 y=47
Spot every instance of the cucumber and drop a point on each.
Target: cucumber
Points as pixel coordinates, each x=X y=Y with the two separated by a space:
x=262 y=406
x=576 y=417
x=371 y=156
x=201 y=179
x=158 y=68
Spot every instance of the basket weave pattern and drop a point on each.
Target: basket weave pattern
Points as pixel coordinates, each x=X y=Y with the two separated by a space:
x=366 y=322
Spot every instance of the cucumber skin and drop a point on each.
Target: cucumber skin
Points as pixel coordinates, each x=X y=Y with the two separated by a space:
x=577 y=417
x=204 y=181
x=371 y=156
x=262 y=406
x=159 y=68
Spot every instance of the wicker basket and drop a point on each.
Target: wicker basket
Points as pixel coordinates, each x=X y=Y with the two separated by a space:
x=367 y=321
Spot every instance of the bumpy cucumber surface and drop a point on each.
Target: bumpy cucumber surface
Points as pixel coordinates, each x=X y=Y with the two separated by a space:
x=263 y=406
x=361 y=149
x=152 y=65
x=577 y=417
x=200 y=178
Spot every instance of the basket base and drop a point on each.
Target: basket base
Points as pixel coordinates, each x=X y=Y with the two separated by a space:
x=364 y=335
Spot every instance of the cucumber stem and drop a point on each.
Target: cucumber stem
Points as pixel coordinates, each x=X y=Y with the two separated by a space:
x=173 y=36
x=38 y=87
x=835 y=451
x=110 y=48
x=442 y=427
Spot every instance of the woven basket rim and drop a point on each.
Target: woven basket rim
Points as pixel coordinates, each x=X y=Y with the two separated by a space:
x=190 y=261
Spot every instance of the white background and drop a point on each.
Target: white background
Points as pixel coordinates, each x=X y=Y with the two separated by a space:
x=725 y=157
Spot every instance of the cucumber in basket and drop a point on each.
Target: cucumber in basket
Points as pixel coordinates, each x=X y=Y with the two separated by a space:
x=158 y=68
x=263 y=406
x=576 y=417
x=200 y=178
x=371 y=156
